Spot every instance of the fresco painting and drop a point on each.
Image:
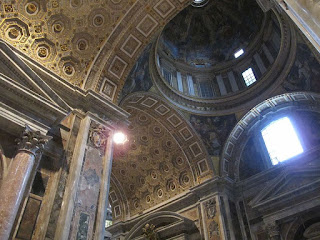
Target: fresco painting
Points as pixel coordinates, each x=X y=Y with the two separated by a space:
x=213 y=130
x=139 y=77
x=305 y=72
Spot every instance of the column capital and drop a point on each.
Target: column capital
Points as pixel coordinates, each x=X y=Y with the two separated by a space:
x=32 y=141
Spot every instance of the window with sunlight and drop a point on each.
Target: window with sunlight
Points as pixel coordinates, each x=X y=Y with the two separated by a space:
x=281 y=140
x=248 y=77
x=238 y=53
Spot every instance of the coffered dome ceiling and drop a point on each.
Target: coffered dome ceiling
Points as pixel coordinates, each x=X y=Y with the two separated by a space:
x=163 y=158
x=92 y=44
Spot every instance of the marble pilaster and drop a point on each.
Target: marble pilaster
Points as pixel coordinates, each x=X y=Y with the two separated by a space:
x=84 y=204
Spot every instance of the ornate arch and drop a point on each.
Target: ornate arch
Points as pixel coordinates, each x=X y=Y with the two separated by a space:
x=118 y=200
x=237 y=139
x=126 y=42
x=157 y=219
x=163 y=158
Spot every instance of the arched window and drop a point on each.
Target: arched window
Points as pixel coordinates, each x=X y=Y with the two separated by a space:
x=281 y=140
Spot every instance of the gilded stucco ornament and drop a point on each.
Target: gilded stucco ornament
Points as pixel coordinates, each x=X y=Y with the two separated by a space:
x=44 y=49
x=15 y=30
x=32 y=8
x=107 y=27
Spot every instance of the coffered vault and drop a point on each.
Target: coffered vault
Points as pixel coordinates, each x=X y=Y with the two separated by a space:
x=92 y=44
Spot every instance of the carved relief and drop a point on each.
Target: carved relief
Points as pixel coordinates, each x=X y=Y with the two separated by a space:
x=98 y=136
x=213 y=230
x=211 y=209
x=273 y=231
x=211 y=219
x=149 y=232
x=312 y=232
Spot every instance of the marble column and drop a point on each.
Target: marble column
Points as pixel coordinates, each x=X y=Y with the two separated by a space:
x=14 y=187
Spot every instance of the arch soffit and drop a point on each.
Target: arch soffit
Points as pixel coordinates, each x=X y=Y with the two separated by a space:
x=180 y=129
x=118 y=199
x=146 y=177
x=237 y=139
x=124 y=45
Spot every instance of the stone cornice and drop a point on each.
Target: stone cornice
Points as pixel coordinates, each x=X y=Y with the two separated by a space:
x=80 y=99
x=193 y=196
x=29 y=104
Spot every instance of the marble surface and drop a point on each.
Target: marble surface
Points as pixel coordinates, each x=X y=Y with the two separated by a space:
x=13 y=190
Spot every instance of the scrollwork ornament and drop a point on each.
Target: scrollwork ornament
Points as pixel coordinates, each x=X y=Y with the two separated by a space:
x=32 y=141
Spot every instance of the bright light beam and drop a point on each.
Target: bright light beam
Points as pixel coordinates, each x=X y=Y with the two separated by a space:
x=281 y=140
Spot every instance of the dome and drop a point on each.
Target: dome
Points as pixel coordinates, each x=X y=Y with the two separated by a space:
x=210 y=35
x=214 y=60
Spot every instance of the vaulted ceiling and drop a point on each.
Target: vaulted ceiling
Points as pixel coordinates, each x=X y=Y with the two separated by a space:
x=90 y=43
x=163 y=158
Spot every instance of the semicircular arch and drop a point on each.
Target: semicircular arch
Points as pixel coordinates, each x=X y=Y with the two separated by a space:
x=163 y=158
x=237 y=139
x=124 y=45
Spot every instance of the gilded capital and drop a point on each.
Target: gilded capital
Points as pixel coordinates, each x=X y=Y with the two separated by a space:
x=32 y=141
